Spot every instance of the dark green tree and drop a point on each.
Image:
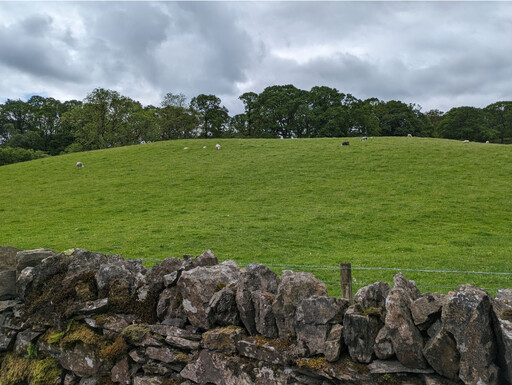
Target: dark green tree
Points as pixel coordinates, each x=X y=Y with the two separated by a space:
x=500 y=117
x=466 y=123
x=212 y=117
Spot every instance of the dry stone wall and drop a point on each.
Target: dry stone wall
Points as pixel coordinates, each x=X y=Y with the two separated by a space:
x=84 y=318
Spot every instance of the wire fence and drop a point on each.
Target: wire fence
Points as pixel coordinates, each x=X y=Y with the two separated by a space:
x=363 y=276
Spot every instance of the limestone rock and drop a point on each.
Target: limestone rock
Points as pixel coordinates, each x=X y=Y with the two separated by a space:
x=502 y=317
x=24 y=339
x=427 y=309
x=222 y=309
x=169 y=308
x=294 y=287
x=383 y=345
x=7 y=338
x=7 y=285
x=393 y=366
x=32 y=258
x=197 y=287
x=32 y=278
x=359 y=333
x=119 y=272
x=149 y=380
x=216 y=368
x=255 y=278
x=400 y=282
x=334 y=345
x=406 y=338
x=466 y=316
x=173 y=331
x=207 y=258
x=83 y=361
x=120 y=372
x=8 y=258
x=223 y=340
x=441 y=353
x=264 y=317
x=265 y=351
x=314 y=319
x=372 y=296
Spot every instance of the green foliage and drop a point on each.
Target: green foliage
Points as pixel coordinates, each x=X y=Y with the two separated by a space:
x=389 y=202
x=31 y=351
x=54 y=338
x=9 y=155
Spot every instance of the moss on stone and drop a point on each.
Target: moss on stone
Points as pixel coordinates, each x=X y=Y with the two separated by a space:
x=44 y=372
x=312 y=363
x=133 y=334
x=22 y=371
x=81 y=333
x=115 y=350
x=220 y=286
x=372 y=311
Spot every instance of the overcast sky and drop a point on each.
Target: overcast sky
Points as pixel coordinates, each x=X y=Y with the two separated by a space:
x=436 y=54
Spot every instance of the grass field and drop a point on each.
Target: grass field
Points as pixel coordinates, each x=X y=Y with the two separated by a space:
x=388 y=202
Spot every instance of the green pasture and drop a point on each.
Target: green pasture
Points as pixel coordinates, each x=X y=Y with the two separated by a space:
x=404 y=203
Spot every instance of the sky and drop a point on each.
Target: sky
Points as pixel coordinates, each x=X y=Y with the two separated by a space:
x=438 y=55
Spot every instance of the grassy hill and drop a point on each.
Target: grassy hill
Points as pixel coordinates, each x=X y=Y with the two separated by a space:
x=407 y=203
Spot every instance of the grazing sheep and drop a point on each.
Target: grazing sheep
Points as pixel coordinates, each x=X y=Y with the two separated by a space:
x=466 y=141
x=204 y=147
x=185 y=148
x=486 y=141
x=217 y=146
x=409 y=135
x=345 y=144
x=79 y=165
x=364 y=138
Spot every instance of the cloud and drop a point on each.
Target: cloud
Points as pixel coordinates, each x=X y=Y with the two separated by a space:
x=436 y=54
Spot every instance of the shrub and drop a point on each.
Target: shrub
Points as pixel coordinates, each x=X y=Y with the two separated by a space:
x=9 y=155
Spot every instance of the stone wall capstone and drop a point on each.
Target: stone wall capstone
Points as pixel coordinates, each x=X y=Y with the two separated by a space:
x=84 y=318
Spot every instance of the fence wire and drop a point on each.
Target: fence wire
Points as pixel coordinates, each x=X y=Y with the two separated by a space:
x=355 y=282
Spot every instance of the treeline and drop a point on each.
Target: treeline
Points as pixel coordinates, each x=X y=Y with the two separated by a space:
x=107 y=119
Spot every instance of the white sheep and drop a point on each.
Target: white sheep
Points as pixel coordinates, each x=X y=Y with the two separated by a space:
x=217 y=146
x=465 y=141
x=204 y=147
x=409 y=135
x=364 y=138
x=79 y=165
x=185 y=148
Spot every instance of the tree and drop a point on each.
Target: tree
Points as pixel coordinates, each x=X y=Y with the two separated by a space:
x=176 y=123
x=103 y=120
x=174 y=100
x=212 y=116
x=399 y=119
x=433 y=118
x=466 y=123
x=328 y=116
x=500 y=116
x=14 y=119
x=249 y=99
x=281 y=111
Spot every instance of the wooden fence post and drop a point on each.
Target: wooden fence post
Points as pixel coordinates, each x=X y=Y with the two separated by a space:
x=346 y=281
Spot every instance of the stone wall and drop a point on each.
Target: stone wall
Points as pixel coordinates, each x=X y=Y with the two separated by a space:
x=86 y=318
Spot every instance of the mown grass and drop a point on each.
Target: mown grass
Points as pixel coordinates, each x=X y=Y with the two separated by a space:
x=389 y=202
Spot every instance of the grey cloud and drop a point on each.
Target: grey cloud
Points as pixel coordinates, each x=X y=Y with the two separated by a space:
x=431 y=53
x=24 y=48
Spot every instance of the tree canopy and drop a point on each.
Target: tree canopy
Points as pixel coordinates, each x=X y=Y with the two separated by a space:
x=105 y=118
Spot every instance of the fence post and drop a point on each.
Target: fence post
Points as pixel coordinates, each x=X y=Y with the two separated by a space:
x=346 y=281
